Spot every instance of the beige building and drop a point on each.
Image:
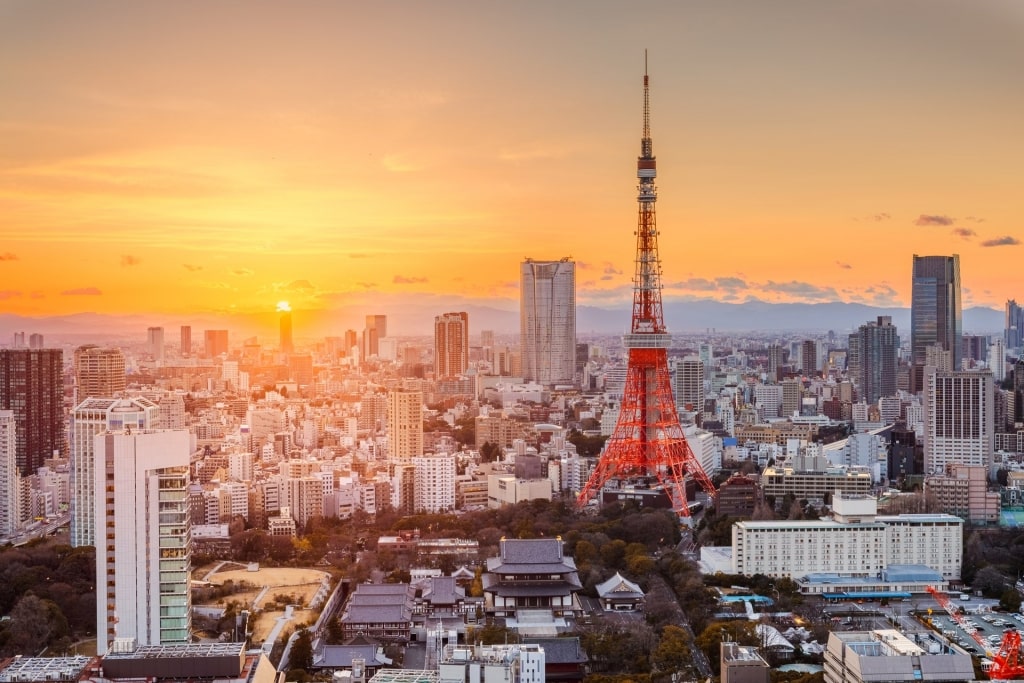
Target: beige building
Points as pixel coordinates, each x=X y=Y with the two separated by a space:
x=508 y=490
x=405 y=425
x=742 y=664
x=963 y=491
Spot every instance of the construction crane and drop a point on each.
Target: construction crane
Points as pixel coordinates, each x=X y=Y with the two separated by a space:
x=1007 y=661
x=954 y=613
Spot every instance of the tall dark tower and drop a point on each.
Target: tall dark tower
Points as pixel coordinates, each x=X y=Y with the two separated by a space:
x=32 y=385
x=648 y=441
x=935 y=315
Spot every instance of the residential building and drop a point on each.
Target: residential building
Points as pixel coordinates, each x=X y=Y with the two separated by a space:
x=547 y=321
x=959 y=410
x=779 y=481
x=10 y=477
x=689 y=385
x=89 y=418
x=186 y=341
x=451 y=344
x=143 y=557
x=963 y=491
x=737 y=496
x=435 y=483
x=99 y=372
x=32 y=386
x=936 y=318
x=875 y=345
x=405 y=425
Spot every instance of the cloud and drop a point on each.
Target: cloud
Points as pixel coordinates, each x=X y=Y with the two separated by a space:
x=925 y=219
x=965 y=233
x=845 y=266
x=879 y=217
x=975 y=219
x=805 y=290
x=8 y=256
x=367 y=285
x=241 y=272
x=1005 y=241
x=583 y=265
x=300 y=286
x=730 y=283
x=610 y=269
x=882 y=295
x=403 y=280
x=358 y=255
x=129 y=260
x=37 y=295
x=82 y=291
x=8 y=294
x=191 y=268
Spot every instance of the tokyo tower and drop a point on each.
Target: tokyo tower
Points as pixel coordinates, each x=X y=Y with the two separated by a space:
x=648 y=443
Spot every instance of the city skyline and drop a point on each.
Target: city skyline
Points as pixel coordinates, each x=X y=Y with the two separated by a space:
x=168 y=162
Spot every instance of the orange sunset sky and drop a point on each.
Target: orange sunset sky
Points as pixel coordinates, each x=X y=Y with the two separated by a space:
x=176 y=157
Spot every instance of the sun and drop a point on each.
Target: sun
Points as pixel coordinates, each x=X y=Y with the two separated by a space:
x=283 y=306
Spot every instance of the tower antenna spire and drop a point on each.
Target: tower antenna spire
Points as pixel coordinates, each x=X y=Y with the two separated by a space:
x=648 y=445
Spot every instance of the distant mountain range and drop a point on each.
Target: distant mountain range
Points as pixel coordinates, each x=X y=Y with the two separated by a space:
x=415 y=318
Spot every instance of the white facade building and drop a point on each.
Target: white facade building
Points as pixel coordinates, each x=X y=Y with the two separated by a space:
x=143 y=549
x=959 y=409
x=10 y=477
x=855 y=543
x=91 y=417
x=547 y=321
x=435 y=483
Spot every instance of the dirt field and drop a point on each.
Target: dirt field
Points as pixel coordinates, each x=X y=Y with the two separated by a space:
x=300 y=583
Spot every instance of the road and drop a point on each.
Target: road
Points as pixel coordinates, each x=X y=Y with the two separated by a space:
x=43 y=529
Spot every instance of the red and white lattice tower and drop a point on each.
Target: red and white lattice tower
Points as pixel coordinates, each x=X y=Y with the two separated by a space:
x=648 y=441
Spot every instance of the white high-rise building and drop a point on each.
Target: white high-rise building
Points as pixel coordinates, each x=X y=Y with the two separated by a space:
x=435 y=483
x=89 y=418
x=959 y=416
x=144 y=537
x=689 y=385
x=997 y=359
x=10 y=477
x=547 y=321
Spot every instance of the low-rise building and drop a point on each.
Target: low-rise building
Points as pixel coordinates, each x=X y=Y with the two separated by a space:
x=885 y=655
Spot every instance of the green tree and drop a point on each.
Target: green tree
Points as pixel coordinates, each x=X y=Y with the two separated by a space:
x=33 y=625
x=301 y=656
x=672 y=655
x=1010 y=600
x=710 y=639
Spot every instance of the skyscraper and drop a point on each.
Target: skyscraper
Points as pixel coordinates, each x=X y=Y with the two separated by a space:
x=935 y=313
x=959 y=417
x=375 y=330
x=776 y=362
x=32 y=386
x=1014 y=331
x=155 y=343
x=144 y=551
x=405 y=425
x=10 y=478
x=451 y=344
x=99 y=372
x=547 y=320
x=874 y=352
x=285 y=322
x=809 y=358
x=35 y=341
x=215 y=343
x=96 y=414
x=186 y=341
